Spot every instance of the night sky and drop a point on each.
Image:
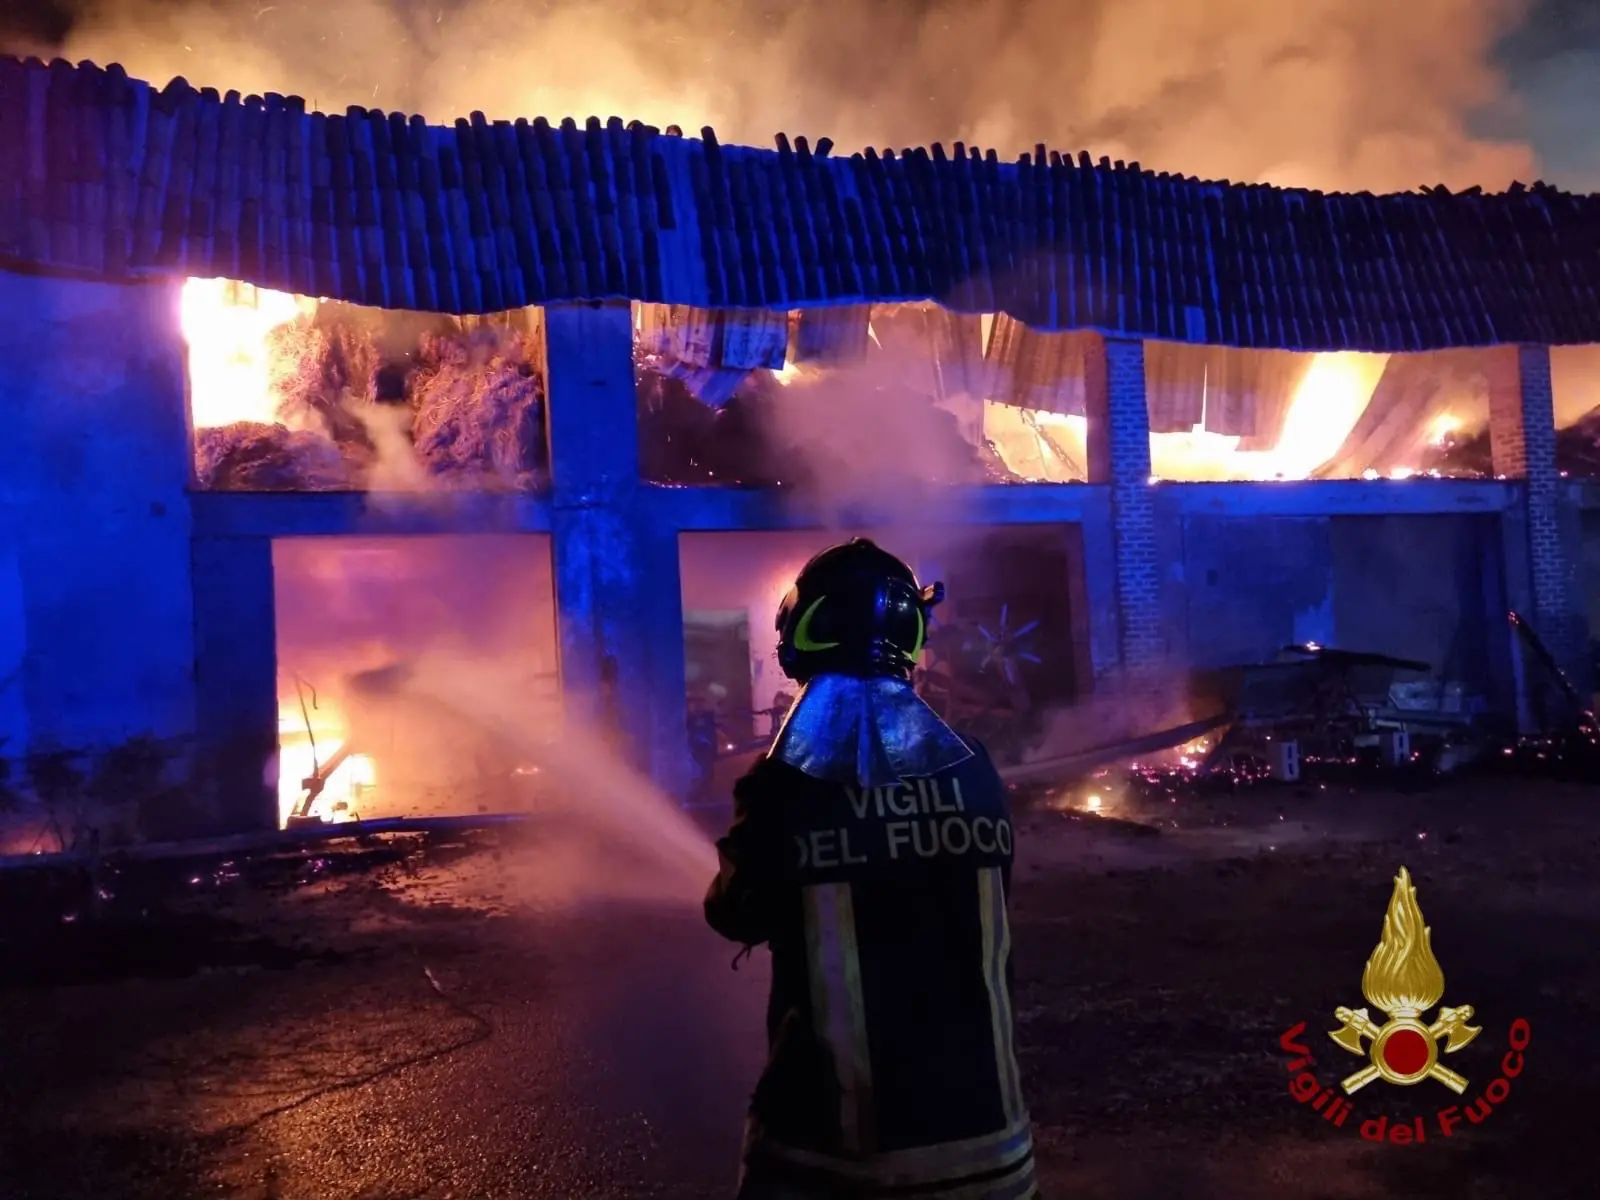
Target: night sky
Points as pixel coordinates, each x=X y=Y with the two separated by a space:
x=1553 y=62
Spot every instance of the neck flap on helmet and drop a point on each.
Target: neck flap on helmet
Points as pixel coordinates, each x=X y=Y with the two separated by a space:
x=866 y=733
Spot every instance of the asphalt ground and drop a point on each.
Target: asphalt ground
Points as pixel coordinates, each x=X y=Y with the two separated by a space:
x=524 y=1015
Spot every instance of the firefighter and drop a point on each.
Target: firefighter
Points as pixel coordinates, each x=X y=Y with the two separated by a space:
x=871 y=851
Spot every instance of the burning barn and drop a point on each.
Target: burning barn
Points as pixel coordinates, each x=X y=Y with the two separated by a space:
x=303 y=403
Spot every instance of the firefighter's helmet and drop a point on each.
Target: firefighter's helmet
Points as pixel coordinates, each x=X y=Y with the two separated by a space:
x=857 y=610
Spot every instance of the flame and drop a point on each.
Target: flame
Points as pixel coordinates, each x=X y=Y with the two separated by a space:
x=1442 y=428
x=1192 y=755
x=1326 y=406
x=1324 y=409
x=227 y=326
x=1046 y=446
x=298 y=759
x=1402 y=977
x=1072 y=800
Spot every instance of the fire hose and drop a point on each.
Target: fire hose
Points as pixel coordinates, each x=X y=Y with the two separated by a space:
x=1085 y=761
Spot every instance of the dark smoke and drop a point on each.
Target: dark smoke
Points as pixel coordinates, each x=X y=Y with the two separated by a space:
x=1326 y=93
x=37 y=26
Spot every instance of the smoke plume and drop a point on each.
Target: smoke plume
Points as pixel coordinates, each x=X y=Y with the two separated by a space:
x=861 y=441
x=1335 y=94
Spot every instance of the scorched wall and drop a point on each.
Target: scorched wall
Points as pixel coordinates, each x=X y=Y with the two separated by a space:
x=1423 y=587
x=97 y=643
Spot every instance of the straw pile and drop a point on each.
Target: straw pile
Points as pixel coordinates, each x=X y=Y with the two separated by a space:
x=468 y=405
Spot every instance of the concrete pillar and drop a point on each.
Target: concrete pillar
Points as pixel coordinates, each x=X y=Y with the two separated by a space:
x=1100 y=588
x=95 y=567
x=236 y=684
x=1119 y=456
x=619 y=603
x=1522 y=444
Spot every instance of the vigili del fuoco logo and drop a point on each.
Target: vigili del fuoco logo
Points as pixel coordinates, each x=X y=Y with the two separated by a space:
x=1402 y=983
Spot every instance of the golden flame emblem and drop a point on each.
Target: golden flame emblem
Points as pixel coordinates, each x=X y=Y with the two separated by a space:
x=1403 y=981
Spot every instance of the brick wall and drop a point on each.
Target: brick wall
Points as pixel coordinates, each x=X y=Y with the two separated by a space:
x=1507 y=446
x=1522 y=441
x=1119 y=455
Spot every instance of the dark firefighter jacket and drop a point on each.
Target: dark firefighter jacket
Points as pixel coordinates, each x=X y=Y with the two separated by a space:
x=892 y=1067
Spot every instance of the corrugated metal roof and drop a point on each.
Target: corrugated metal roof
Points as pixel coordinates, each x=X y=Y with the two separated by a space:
x=106 y=175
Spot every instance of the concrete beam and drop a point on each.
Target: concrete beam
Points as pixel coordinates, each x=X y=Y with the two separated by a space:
x=1339 y=497
x=714 y=509
x=344 y=514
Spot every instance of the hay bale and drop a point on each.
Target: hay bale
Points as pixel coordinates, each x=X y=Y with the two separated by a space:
x=249 y=456
x=478 y=400
x=469 y=405
x=322 y=372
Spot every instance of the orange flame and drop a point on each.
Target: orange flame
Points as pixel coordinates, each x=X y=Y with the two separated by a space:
x=227 y=327
x=298 y=758
x=1323 y=411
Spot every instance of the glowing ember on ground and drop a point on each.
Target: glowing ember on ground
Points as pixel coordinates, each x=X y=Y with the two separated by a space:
x=1192 y=755
x=227 y=326
x=1074 y=799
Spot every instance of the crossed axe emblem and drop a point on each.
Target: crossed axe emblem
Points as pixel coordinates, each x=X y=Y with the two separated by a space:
x=1403 y=1049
